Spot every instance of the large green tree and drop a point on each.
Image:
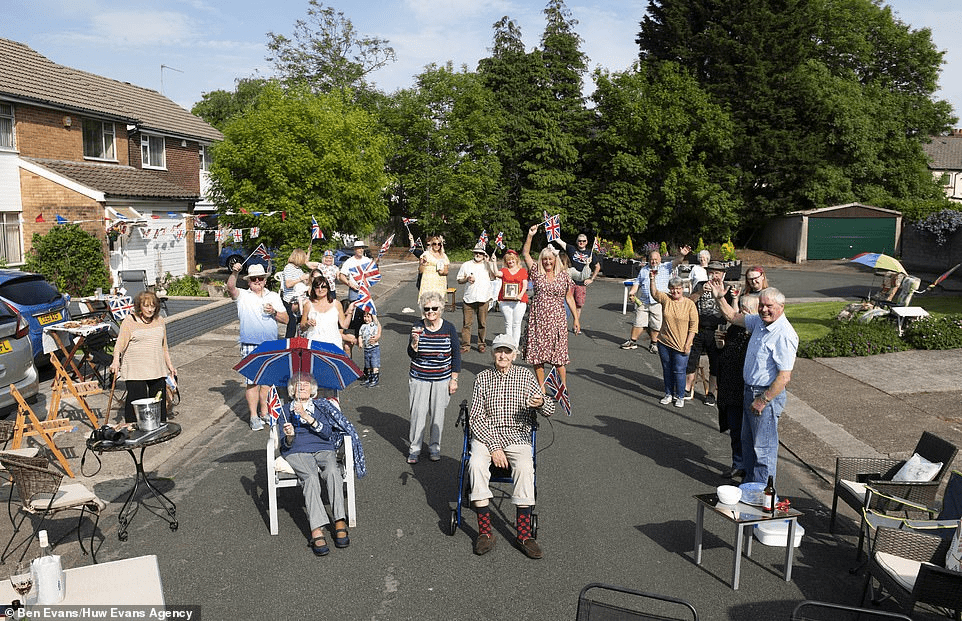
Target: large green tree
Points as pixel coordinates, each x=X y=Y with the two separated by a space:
x=302 y=155
x=830 y=98
x=445 y=137
x=218 y=107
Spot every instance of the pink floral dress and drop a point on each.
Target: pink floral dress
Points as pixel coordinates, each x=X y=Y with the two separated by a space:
x=547 y=335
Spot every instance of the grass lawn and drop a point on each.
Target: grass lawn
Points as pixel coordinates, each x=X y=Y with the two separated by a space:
x=813 y=320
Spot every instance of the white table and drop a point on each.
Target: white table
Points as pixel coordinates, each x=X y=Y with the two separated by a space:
x=903 y=313
x=127 y=582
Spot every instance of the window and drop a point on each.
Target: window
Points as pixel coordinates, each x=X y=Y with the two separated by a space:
x=204 y=157
x=99 y=140
x=152 y=151
x=946 y=180
x=6 y=126
x=10 y=250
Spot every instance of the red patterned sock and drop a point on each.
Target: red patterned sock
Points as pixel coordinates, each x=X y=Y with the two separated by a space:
x=484 y=520
x=524 y=523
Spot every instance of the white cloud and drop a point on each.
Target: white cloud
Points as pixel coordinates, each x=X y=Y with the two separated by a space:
x=142 y=28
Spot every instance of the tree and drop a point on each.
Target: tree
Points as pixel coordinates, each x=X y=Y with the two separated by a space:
x=326 y=54
x=446 y=133
x=301 y=155
x=218 y=107
x=658 y=138
x=70 y=258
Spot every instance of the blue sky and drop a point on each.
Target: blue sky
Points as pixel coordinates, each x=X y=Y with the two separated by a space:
x=210 y=43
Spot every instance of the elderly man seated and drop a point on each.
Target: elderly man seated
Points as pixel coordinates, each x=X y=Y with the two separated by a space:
x=504 y=403
x=312 y=432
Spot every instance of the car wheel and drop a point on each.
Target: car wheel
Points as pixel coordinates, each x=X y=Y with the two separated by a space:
x=234 y=260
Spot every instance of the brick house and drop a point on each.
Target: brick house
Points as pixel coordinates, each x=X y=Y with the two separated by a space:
x=104 y=154
x=945 y=162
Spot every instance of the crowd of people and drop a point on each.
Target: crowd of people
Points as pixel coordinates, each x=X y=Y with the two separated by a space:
x=684 y=313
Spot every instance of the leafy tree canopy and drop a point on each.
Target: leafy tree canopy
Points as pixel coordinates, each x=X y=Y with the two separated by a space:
x=218 y=107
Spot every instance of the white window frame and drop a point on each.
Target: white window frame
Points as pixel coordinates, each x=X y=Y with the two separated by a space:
x=11 y=230
x=7 y=137
x=146 y=161
x=108 y=141
x=205 y=160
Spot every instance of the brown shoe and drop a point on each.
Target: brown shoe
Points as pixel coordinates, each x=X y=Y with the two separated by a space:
x=465 y=348
x=484 y=544
x=482 y=348
x=530 y=547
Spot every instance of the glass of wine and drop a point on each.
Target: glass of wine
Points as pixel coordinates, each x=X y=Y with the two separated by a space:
x=21 y=579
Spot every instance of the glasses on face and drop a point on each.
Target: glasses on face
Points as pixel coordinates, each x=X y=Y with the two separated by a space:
x=582 y=241
x=431 y=309
x=759 y=277
x=258 y=278
x=321 y=286
x=434 y=244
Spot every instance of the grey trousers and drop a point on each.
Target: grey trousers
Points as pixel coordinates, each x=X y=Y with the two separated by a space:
x=427 y=400
x=309 y=468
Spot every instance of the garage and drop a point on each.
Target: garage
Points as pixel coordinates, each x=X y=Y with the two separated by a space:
x=838 y=232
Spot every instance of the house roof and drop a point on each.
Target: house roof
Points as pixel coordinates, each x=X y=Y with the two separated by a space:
x=29 y=76
x=944 y=152
x=116 y=181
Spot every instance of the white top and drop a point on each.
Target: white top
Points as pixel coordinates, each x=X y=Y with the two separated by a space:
x=480 y=290
x=326 y=328
x=256 y=326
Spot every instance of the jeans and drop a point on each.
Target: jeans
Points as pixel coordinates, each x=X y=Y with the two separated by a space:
x=673 y=363
x=760 y=435
x=513 y=314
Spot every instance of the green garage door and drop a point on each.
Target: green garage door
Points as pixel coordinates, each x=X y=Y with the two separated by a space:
x=843 y=238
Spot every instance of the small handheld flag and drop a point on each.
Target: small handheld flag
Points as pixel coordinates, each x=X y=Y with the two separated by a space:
x=557 y=390
x=408 y=221
x=499 y=240
x=365 y=302
x=385 y=246
x=274 y=404
x=552 y=227
x=483 y=239
x=316 y=232
x=596 y=245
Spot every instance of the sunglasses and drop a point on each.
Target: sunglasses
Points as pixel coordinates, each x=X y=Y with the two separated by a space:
x=258 y=278
x=321 y=286
x=431 y=309
x=434 y=244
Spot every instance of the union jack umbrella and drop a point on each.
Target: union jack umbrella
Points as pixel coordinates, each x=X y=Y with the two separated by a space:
x=199 y=236
x=121 y=306
x=255 y=232
x=238 y=235
x=272 y=363
x=557 y=390
x=316 y=232
x=385 y=246
x=499 y=240
x=366 y=276
x=552 y=227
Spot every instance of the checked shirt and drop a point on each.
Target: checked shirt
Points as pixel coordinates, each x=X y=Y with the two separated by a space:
x=499 y=415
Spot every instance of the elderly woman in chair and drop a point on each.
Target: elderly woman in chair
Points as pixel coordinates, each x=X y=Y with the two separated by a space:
x=312 y=432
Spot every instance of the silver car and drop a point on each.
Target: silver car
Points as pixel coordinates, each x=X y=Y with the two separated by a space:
x=16 y=359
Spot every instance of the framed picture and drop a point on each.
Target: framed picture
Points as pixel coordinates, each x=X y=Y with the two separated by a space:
x=512 y=290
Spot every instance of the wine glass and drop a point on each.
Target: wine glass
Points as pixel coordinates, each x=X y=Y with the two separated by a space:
x=21 y=579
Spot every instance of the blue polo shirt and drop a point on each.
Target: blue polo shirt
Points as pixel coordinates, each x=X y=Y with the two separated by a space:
x=662 y=276
x=771 y=349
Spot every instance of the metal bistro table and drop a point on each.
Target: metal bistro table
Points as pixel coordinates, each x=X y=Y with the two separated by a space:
x=743 y=515
x=141 y=440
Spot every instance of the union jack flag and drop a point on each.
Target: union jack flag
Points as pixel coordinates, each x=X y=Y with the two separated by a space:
x=261 y=251
x=385 y=246
x=199 y=236
x=365 y=302
x=179 y=234
x=238 y=235
x=121 y=306
x=408 y=221
x=316 y=232
x=274 y=404
x=366 y=276
x=557 y=390
x=219 y=235
x=552 y=227
x=499 y=240
x=484 y=237
x=255 y=232
x=596 y=245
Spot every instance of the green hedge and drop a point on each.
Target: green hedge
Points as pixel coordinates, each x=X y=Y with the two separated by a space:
x=856 y=339
x=935 y=332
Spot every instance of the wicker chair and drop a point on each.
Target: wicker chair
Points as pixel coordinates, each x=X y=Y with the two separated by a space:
x=854 y=474
x=599 y=602
x=824 y=611
x=42 y=494
x=7 y=428
x=910 y=566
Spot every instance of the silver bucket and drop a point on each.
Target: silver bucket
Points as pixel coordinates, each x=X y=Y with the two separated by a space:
x=148 y=414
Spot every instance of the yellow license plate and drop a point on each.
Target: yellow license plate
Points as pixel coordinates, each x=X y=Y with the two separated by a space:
x=5 y=347
x=50 y=318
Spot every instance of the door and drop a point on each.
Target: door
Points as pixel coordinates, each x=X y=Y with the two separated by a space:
x=843 y=238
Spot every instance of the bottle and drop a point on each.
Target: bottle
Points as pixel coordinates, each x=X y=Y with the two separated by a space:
x=769 y=495
x=44 y=543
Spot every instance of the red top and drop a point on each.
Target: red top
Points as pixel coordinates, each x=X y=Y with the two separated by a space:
x=518 y=279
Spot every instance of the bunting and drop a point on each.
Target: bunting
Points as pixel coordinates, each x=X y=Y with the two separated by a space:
x=199 y=236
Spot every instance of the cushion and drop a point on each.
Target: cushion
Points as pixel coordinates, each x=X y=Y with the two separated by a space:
x=71 y=495
x=903 y=570
x=917 y=469
x=281 y=466
x=953 y=560
x=854 y=487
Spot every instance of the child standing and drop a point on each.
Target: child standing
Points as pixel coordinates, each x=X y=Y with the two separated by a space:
x=369 y=334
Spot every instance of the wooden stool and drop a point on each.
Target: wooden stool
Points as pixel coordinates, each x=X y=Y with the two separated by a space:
x=450 y=306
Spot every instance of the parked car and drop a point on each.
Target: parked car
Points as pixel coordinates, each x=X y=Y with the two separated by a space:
x=235 y=253
x=38 y=301
x=16 y=358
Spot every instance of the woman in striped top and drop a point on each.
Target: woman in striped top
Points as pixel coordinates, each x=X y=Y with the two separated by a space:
x=435 y=353
x=141 y=355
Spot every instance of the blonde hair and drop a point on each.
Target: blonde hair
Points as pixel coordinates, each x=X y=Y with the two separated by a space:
x=549 y=251
x=298 y=257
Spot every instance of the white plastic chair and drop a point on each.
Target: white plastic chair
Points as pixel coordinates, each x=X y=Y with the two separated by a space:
x=280 y=474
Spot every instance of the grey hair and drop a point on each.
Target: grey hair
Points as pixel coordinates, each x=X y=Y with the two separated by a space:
x=705 y=254
x=429 y=296
x=301 y=377
x=773 y=295
x=748 y=303
x=676 y=282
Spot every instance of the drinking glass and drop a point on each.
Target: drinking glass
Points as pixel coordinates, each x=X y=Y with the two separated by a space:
x=21 y=579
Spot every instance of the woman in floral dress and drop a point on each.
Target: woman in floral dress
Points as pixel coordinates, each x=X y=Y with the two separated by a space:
x=433 y=267
x=547 y=336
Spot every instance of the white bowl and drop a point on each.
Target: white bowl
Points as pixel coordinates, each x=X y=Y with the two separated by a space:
x=729 y=494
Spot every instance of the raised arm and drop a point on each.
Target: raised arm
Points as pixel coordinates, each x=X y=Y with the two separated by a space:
x=730 y=313
x=526 y=249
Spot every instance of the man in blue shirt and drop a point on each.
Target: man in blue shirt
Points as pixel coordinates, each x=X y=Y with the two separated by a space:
x=767 y=371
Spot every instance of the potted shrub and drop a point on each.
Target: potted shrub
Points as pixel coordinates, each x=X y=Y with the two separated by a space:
x=619 y=261
x=734 y=265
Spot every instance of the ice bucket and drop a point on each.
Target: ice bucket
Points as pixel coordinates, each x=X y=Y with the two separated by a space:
x=148 y=414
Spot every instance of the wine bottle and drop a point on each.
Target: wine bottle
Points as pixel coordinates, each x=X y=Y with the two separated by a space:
x=769 y=495
x=44 y=542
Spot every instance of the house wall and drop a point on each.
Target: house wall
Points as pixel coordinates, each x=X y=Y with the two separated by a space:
x=41 y=134
x=921 y=252
x=42 y=196
x=183 y=162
